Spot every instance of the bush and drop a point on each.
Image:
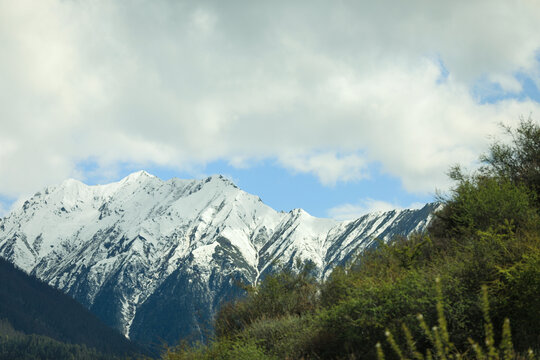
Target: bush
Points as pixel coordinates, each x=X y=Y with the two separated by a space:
x=479 y=203
x=285 y=337
x=519 y=160
x=350 y=326
x=281 y=294
x=218 y=350
x=505 y=189
x=441 y=346
x=519 y=299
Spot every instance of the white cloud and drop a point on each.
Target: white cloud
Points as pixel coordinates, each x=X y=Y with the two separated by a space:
x=328 y=167
x=325 y=88
x=365 y=206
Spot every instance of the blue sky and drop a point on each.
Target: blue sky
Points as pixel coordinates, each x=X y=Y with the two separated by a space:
x=335 y=107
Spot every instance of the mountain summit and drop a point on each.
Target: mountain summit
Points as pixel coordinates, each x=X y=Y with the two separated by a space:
x=156 y=258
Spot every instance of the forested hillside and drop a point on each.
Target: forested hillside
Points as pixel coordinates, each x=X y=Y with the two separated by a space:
x=44 y=318
x=418 y=297
x=17 y=345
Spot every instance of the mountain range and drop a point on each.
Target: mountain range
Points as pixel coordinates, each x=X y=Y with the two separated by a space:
x=155 y=259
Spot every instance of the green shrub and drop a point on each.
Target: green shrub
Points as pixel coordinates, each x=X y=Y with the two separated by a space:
x=518 y=160
x=218 y=350
x=350 y=326
x=505 y=189
x=286 y=337
x=519 y=298
x=439 y=337
x=479 y=203
x=284 y=293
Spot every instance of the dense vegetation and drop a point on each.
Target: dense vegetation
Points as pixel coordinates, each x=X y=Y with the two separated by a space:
x=17 y=345
x=487 y=235
x=50 y=322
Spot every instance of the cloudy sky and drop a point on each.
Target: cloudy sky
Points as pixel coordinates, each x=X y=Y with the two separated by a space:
x=337 y=107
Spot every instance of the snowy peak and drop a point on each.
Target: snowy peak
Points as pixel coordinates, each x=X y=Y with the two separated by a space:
x=137 y=177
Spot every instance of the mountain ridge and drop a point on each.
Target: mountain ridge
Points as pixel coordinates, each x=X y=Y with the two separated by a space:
x=115 y=247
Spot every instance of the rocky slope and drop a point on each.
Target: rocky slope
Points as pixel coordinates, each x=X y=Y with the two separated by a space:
x=156 y=258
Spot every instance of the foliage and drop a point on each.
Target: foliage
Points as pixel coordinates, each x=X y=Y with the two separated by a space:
x=284 y=337
x=441 y=346
x=518 y=160
x=479 y=203
x=284 y=293
x=16 y=345
x=352 y=325
x=520 y=298
x=218 y=350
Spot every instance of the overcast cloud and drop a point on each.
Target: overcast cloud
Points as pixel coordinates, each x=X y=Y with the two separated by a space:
x=322 y=87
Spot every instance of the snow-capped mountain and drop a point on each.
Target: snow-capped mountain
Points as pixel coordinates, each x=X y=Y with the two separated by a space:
x=156 y=258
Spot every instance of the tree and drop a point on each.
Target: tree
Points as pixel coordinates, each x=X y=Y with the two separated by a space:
x=518 y=161
x=504 y=189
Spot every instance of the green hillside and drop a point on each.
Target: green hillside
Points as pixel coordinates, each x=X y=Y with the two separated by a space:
x=17 y=345
x=44 y=319
x=487 y=236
